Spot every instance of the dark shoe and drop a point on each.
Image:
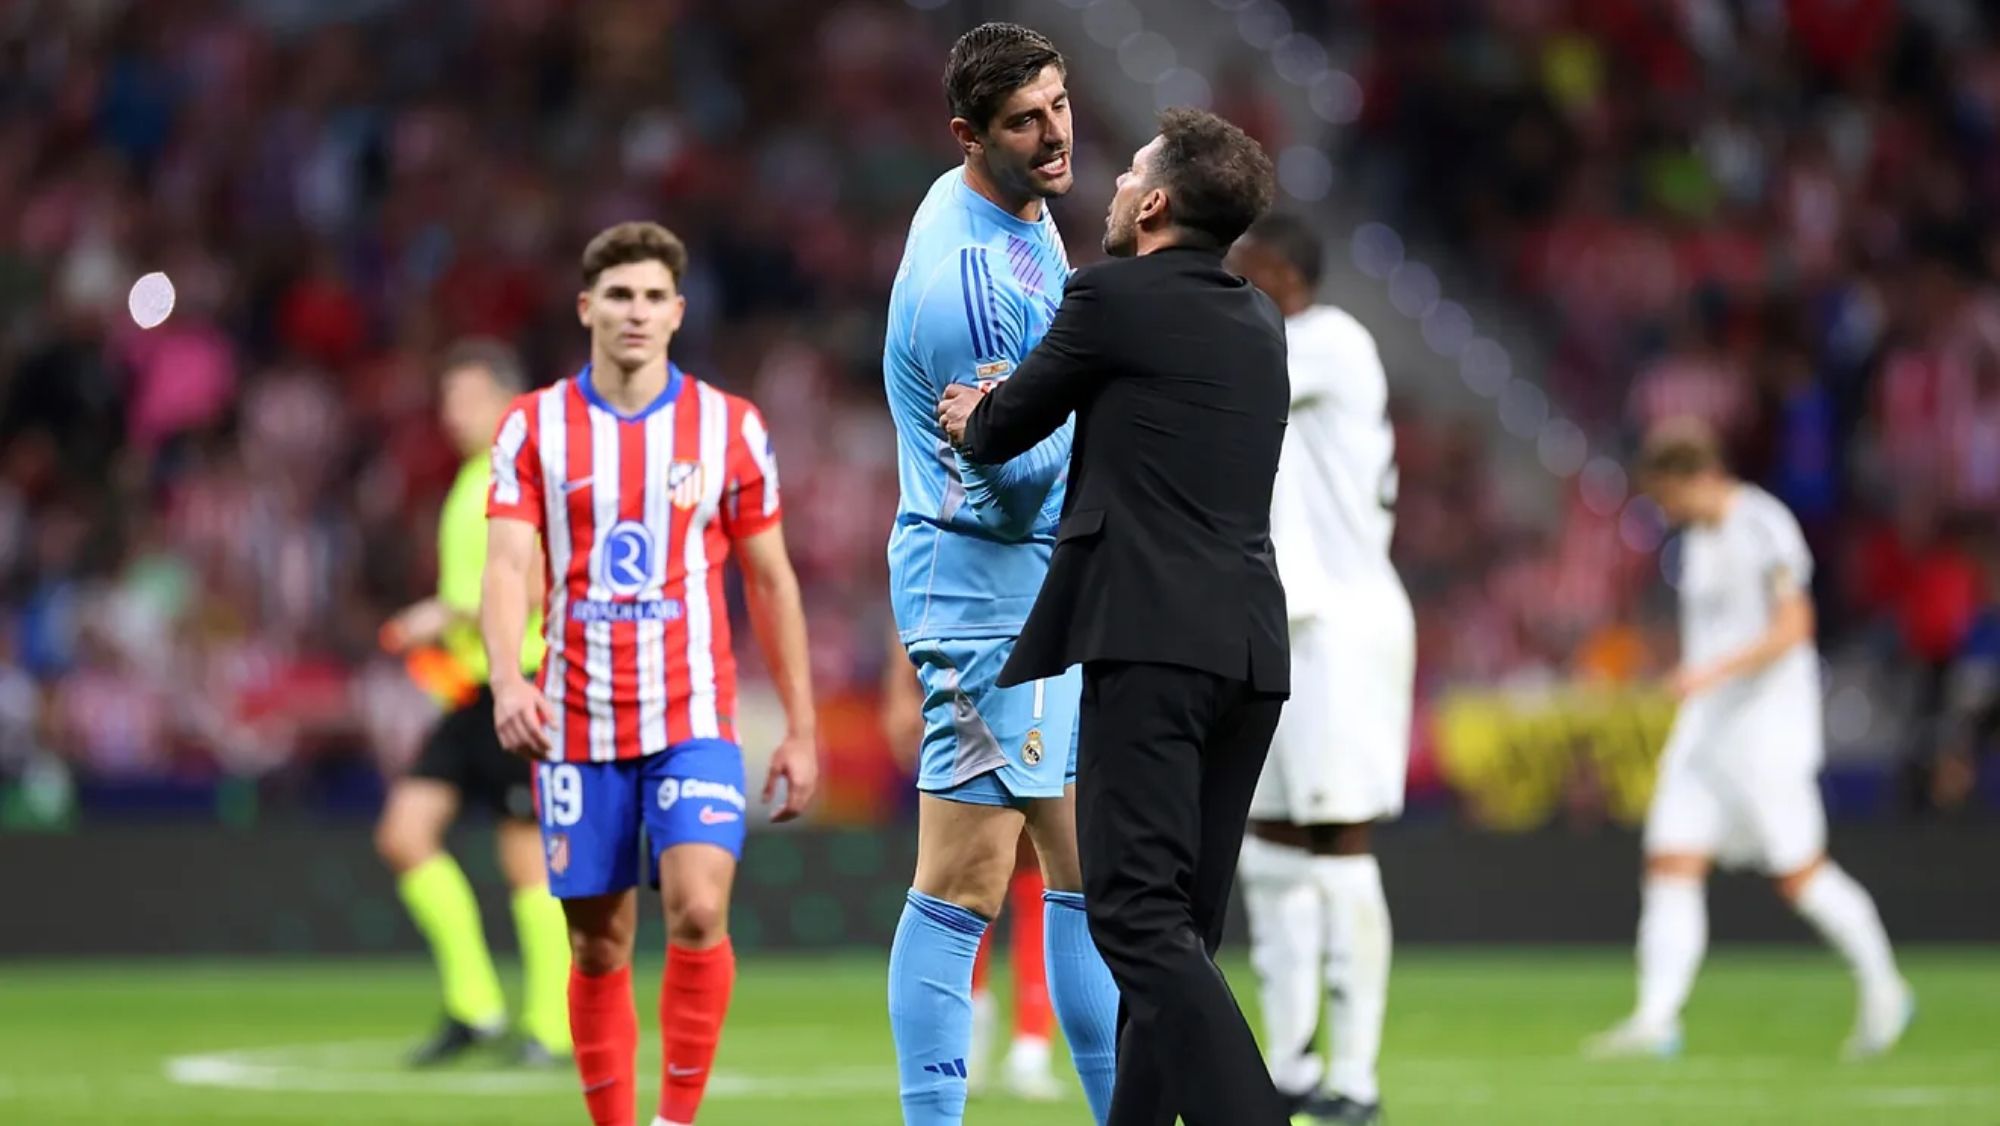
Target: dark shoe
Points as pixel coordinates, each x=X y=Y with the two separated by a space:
x=1339 y=1110
x=451 y=1041
x=538 y=1056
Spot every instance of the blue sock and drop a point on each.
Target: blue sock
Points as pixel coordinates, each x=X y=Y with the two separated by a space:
x=930 y=1006
x=1084 y=996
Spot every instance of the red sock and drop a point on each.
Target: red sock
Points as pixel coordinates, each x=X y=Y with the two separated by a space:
x=979 y=962
x=605 y=1027
x=694 y=997
x=1031 y=986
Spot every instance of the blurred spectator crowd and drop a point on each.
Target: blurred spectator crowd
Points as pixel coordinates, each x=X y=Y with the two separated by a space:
x=1766 y=212
x=202 y=526
x=1778 y=215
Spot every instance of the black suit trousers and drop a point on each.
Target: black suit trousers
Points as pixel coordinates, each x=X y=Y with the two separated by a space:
x=1168 y=760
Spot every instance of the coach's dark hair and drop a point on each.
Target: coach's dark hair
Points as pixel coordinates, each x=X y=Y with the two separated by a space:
x=627 y=243
x=989 y=63
x=500 y=363
x=1679 y=448
x=1291 y=238
x=1217 y=179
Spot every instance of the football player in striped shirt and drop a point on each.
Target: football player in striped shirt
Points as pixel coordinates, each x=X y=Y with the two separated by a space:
x=640 y=481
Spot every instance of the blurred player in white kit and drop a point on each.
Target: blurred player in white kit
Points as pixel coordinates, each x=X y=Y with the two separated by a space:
x=1738 y=780
x=1319 y=925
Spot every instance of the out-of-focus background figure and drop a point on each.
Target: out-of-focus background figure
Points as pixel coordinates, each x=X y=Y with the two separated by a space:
x=1563 y=224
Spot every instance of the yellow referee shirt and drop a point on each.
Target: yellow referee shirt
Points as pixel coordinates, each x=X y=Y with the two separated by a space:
x=462 y=562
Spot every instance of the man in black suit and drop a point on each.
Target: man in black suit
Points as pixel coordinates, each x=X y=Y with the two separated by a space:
x=1163 y=586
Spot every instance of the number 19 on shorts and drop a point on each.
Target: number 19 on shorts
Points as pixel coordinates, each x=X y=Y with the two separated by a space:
x=561 y=793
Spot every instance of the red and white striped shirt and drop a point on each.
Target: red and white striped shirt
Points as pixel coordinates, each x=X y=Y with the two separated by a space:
x=638 y=514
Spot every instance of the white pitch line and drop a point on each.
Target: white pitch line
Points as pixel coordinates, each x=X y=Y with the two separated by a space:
x=362 y=1067
x=357 y=1067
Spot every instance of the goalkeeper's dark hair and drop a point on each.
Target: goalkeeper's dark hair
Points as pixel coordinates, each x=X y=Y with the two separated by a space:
x=1292 y=238
x=989 y=63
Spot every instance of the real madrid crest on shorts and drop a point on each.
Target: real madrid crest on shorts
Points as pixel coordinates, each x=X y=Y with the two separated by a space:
x=1031 y=751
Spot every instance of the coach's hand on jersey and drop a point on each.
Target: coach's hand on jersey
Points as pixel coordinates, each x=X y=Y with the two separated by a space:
x=796 y=763
x=955 y=408
x=522 y=716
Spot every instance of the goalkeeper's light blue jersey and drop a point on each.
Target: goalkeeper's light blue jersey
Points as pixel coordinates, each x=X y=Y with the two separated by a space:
x=976 y=290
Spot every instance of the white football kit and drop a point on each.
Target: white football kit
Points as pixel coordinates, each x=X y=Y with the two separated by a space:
x=1739 y=776
x=1341 y=751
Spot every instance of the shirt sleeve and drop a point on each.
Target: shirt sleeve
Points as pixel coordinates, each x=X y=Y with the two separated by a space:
x=1062 y=374
x=750 y=496
x=516 y=492
x=967 y=330
x=971 y=330
x=1337 y=361
x=1787 y=561
x=462 y=540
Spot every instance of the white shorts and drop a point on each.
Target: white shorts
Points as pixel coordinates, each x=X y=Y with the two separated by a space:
x=1341 y=753
x=1742 y=790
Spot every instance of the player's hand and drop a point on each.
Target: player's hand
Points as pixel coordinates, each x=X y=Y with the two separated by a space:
x=1687 y=682
x=955 y=408
x=522 y=716
x=418 y=624
x=796 y=762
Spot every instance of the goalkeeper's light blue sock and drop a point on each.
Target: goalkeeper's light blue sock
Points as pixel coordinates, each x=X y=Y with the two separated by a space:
x=930 y=1006
x=1085 y=997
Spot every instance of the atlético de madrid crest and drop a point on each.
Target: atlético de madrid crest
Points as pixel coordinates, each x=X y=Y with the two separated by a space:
x=685 y=481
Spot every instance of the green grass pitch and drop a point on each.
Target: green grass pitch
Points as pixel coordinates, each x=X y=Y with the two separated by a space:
x=1474 y=1036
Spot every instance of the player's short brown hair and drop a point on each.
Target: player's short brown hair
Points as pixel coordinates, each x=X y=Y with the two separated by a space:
x=1679 y=448
x=1218 y=179
x=989 y=63
x=500 y=363
x=627 y=243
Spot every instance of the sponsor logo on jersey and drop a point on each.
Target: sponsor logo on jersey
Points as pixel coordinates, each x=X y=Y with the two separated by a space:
x=685 y=483
x=625 y=558
x=713 y=816
x=994 y=370
x=650 y=610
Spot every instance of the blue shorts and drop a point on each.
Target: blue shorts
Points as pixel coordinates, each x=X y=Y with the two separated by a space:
x=987 y=745
x=600 y=819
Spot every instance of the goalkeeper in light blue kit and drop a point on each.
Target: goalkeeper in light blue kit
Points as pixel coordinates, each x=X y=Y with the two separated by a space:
x=981 y=277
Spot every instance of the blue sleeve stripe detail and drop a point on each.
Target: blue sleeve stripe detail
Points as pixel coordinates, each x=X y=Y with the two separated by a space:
x=975 y=314
x=992 y=304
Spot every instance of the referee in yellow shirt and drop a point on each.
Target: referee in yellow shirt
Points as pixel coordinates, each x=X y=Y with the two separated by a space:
x=462 y=761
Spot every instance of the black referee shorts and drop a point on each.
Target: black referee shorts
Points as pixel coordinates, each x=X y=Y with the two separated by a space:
x=463 y=751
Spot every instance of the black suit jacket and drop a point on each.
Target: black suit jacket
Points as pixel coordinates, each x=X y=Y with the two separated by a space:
x=1175 y=369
